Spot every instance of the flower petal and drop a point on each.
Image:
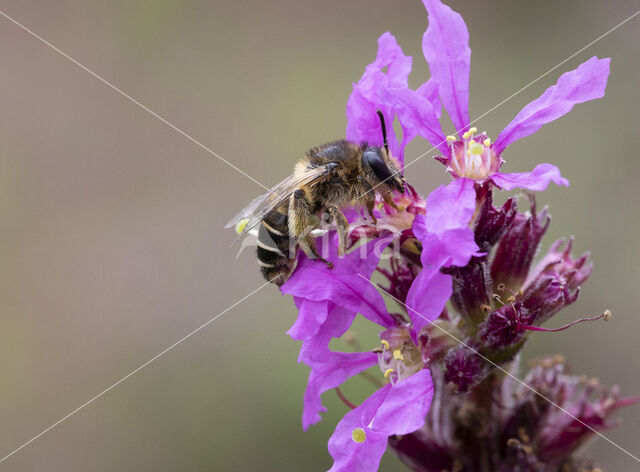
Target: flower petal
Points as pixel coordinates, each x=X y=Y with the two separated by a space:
x=405 y=407
x=446 y=48
x=536 y=180
x=418 y=115
x=311 y=316
x=317 y=324
x=394 y=409
x=374 y=91
x=585 y=83
x=344 y=285
x=448 y=207
x=351 y=456
x=332 y=371
x=428 y=296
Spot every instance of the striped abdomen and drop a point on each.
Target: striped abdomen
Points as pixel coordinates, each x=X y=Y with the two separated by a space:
x=274 y=255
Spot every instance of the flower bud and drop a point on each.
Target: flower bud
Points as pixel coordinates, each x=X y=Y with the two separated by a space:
x=517 y=248
x=493 y=222
x=464 y=368
x=472 y=288
x=574 y=271
x=546 y=295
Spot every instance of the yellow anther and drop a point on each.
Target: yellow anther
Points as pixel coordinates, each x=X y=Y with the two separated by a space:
x=466 y=135
x=487 y=142
x=473 y=130
x=387 y=373
x=475 y=148
x=241 y=225
x=397 y=355
x=451 y=138
x=385 y=343
x=358 y=435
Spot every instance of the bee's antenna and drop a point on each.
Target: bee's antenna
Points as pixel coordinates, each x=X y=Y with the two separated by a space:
x=384 y=131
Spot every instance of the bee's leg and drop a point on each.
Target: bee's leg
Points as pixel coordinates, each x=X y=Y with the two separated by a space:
x=299 y=214
x=343 y=228
x=369 y=198
x=389 y=201
x=300 y=225
x=370 y=202
x=308 y=245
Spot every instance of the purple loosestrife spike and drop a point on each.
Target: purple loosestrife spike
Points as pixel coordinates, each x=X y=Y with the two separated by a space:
x=462 y=268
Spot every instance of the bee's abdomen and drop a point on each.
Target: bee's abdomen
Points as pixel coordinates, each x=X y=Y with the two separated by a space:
x=274 y=254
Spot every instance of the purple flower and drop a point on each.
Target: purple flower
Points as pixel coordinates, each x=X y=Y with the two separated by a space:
x=446 y=48
x=328 y=301
x=400 y=406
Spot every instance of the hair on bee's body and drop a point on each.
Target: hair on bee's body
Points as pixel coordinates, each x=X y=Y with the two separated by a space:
x=329 y=177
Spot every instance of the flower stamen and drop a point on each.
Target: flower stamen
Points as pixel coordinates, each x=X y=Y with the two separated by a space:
x=397 y=355
x=606 y=315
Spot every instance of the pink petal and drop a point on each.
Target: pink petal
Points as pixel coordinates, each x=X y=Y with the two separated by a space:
x=343 y=285
x=350 y=456
x=536 y=180
x=418 y=115
x=374 y=91
x=332 y=371
x=394 y=409
x=446 y=48
x=317 y=324
x=450 y=207
x=585 y=83
x=404 y=409
x=427 y=297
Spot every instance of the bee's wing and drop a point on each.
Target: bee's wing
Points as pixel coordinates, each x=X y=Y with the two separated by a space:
x=255 y=211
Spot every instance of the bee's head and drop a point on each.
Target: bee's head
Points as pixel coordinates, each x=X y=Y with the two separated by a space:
x=381 y=170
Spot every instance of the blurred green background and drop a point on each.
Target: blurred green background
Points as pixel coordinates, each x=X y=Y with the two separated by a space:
x=112 y=236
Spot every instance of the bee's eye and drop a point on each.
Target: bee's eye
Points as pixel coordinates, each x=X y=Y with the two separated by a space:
x=377 y=164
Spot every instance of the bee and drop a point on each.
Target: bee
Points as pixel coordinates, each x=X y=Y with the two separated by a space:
x=329 y=177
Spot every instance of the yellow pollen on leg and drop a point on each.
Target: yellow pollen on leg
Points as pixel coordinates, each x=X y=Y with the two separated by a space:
x=385 y=343
x=397 y=355
x=387 y=373
x=358 y=435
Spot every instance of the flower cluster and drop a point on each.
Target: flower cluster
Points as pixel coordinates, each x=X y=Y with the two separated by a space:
x=462 y=272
